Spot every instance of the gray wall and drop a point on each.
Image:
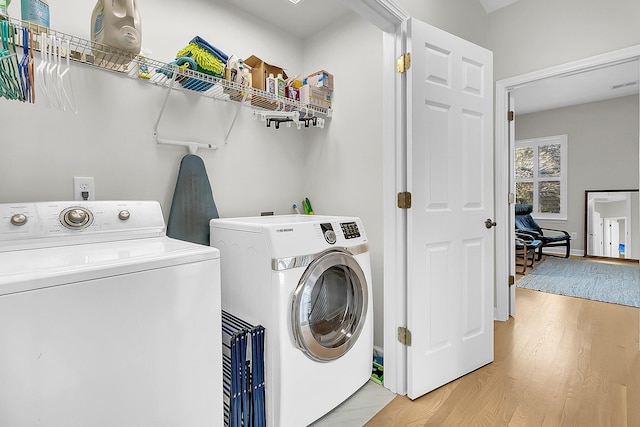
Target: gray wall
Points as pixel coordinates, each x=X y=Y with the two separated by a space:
x=535 y=34
x=602 y=151
x=463 y=18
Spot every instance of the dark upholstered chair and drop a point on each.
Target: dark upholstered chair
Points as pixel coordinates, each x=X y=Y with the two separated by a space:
x=526 y=247
x=548 y=236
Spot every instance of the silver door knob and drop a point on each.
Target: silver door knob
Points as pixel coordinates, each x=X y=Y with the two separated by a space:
x=489 y=223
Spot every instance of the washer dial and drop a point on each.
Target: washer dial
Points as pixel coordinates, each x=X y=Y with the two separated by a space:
x=18 y=219
x=76 y=218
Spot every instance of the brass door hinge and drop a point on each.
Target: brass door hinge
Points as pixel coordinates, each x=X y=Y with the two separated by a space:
x=512 y=280
x=404 y=62
x=404 y=200
x=510 y=116
x=404 y=336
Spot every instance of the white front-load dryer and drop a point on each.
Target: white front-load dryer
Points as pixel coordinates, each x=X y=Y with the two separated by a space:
x=307 y=280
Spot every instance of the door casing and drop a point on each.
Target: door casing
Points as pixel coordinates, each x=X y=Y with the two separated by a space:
x=505 y=235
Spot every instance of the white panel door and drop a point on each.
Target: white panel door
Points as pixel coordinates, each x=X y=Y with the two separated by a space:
x=450 y=175
x=612 y=237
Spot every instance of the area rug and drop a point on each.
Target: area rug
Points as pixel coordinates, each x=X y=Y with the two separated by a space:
x=618 y=284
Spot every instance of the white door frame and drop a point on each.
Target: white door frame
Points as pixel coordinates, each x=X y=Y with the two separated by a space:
x=392 y=19
x=504 y=235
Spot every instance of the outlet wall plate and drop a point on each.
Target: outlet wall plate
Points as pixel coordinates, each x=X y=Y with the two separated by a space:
x=83 y=188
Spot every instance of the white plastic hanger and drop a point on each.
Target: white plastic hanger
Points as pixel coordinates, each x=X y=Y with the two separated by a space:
x=41 y=69
x=52 y=76
x=67 y=98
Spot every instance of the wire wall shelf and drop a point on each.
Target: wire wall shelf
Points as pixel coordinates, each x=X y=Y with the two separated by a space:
x=164 y=74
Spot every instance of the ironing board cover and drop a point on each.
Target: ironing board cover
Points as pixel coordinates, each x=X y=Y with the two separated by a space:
x=192 y=206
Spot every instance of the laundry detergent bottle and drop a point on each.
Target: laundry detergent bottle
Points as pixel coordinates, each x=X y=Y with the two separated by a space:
x=35 y=11
x=117 y=23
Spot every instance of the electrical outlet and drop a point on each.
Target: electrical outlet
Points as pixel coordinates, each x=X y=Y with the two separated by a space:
x=574 y=235
x=83 y=188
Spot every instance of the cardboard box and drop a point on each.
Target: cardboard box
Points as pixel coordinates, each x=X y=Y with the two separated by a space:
x=260 y=70
x=315 y=96
x=322 y=79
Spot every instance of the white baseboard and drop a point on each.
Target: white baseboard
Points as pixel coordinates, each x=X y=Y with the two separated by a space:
x=562 y=251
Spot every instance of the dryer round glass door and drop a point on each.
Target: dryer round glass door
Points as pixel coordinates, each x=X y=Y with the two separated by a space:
x=329 y=306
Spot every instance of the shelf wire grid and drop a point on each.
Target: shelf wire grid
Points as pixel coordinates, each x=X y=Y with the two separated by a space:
x=161 y=73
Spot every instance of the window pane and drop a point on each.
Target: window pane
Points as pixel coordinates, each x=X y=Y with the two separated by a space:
x=524 y=162
x=524 y=193
x=549 y=161
x=549 y=197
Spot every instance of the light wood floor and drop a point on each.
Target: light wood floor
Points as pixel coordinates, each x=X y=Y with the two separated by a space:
x=561 y=361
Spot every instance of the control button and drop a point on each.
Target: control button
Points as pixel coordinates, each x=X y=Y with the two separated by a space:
x=330 y=236
x=76 y=218
x=350 y=230
x=18 y=219
x=124 y=215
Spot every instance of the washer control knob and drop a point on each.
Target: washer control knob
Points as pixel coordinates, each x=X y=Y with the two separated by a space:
x=330 y=236
x=124 y=215
x=76 y=218
x=18 y=219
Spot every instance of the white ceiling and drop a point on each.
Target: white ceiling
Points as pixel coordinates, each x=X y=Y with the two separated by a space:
x=310 y=16
x=596 y=85
x=301 y=20
x=493 y=5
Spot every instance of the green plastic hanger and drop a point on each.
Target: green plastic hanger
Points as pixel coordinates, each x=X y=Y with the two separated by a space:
x=9 y=68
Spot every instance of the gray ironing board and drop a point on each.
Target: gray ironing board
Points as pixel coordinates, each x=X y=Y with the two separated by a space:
x=192 y=206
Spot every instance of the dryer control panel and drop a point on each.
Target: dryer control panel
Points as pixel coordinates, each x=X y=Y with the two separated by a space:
x=350 y=230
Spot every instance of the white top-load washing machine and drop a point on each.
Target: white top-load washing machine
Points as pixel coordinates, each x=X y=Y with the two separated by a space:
x=105 y=321
x=307 y=280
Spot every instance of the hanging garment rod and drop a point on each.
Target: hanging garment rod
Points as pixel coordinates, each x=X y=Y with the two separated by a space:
x=193 y=146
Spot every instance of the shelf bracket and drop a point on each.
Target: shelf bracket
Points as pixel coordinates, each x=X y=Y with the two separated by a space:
x=166 y=98
x=235 y=116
